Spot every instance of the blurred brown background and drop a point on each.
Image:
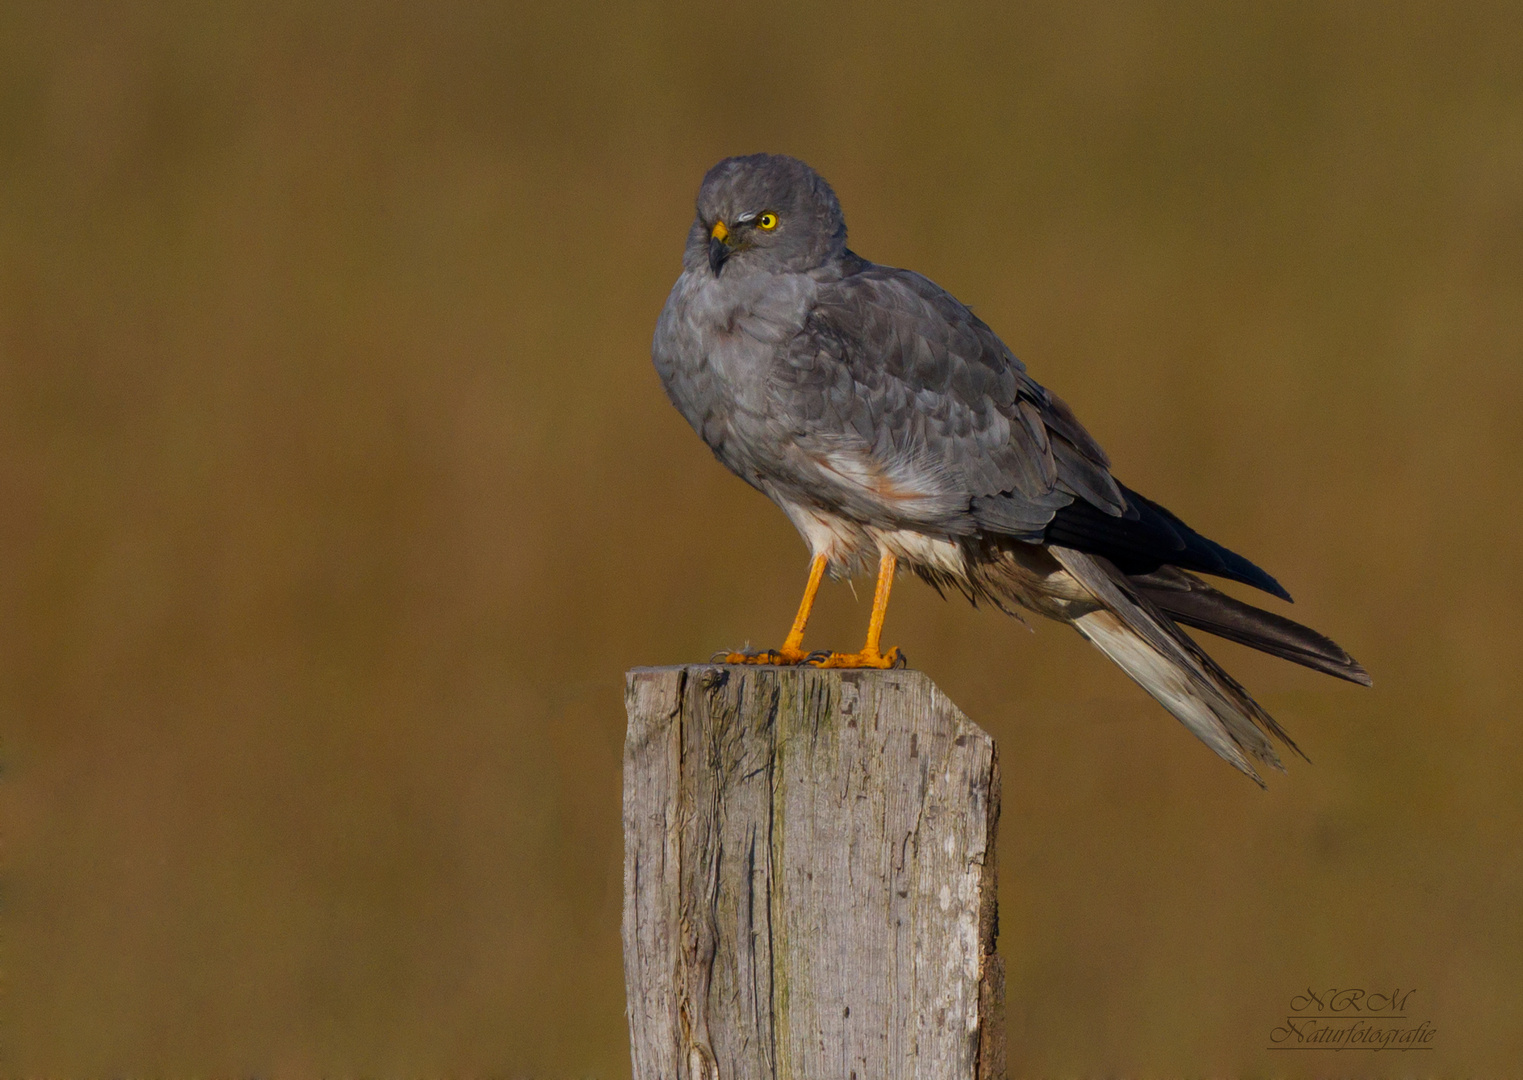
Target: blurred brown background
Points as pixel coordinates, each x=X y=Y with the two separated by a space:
x=338 y=493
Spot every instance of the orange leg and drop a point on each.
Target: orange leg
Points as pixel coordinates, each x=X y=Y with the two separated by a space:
x=793 y=644
x=792 y=651
x=870 y=656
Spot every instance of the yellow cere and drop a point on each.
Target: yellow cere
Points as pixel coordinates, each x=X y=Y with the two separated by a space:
x=719 y=232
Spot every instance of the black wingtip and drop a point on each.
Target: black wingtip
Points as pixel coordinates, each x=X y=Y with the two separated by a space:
x=1270 y=585
x=1147 y=536
x=1205 y=551
x=1249 y=573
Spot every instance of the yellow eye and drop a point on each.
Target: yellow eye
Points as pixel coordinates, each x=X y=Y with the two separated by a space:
x=767 y=222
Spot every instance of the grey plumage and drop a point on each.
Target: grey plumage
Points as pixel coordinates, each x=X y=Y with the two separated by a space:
x=881 y=414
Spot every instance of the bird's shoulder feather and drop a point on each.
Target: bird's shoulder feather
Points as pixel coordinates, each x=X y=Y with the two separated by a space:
x=891 y=357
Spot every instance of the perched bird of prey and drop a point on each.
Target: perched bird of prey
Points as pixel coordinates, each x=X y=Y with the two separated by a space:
x=894 y=427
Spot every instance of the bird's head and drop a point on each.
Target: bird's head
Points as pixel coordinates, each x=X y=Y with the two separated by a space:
x=764 y=213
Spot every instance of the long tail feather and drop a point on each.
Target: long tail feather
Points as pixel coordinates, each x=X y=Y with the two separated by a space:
x=1144 y=641
x=1186 y=598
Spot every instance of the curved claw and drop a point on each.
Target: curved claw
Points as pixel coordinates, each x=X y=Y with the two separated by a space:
x=771 y=657
x=864 y=659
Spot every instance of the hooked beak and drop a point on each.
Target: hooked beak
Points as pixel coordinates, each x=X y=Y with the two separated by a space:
x=720 y=246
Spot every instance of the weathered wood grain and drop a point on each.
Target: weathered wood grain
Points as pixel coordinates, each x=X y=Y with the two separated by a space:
x=808 y=877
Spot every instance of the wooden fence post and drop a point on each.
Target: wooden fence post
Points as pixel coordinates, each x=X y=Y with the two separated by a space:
x=809 y=885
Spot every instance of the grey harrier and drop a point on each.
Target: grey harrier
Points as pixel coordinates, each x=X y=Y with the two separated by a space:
x=892 y=426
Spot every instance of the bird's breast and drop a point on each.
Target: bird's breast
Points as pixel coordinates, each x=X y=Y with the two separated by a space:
x=717 y=343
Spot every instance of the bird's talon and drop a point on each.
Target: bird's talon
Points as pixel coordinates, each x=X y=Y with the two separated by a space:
x=863 y=659
x=767 y=657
